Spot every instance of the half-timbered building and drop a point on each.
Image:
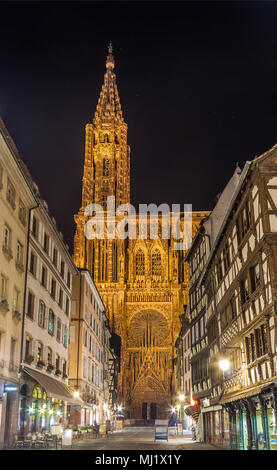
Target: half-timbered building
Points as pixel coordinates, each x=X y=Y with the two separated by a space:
x=197 y=258
x=240 y=280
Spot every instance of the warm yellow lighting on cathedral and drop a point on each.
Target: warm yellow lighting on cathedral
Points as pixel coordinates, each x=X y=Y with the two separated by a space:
x=142 y=282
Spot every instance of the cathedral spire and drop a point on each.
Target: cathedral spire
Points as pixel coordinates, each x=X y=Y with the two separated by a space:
x=110 y=57
x=109 y=106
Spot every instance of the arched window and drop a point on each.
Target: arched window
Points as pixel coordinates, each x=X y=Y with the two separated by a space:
x=41 y=314
x=65 y=337
x=40 y=353
x=51 y=322
x=140 y=263
x=57 y=364
x=49 y=357
x=37 y=393
x=64 y=371
x=59 y=326
x=106 y=166
x=28 y=349
x=156 y=266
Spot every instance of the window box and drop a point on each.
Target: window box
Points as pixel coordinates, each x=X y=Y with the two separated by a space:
x=40 y=363
x=7 y=252
x=4 y=307
x=16 y=315
x=50 y=367
x=19 y=266
x=12 y=367
x=58 y=372
x=29 y=359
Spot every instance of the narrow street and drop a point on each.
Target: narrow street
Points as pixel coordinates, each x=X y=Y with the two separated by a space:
x=140 y=439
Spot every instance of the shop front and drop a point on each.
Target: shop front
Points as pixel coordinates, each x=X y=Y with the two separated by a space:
x=216 y=426
x=43 y=402
x=39 y=411
x=244 y=422
x=9 y=403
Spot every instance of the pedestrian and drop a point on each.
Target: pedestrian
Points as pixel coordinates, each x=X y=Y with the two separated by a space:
x=108 y=427
x=193 y=430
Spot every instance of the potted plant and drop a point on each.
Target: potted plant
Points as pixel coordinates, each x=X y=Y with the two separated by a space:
x=40 y=363
x=65 y=376
x=29 y=358
x=4 y=307
x=16 y=315
x=50 y=367
x=58 y=372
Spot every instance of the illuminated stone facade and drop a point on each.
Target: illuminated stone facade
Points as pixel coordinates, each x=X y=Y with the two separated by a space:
x=143 y=282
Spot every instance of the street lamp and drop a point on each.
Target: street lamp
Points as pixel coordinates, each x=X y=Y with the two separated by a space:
x=224 y=364
x=182 y=397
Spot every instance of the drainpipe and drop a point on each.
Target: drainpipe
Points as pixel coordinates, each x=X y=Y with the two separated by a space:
x=25 y=284
x=79 y=328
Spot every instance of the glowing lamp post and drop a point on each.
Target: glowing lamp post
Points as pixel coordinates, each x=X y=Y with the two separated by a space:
x=224 y=364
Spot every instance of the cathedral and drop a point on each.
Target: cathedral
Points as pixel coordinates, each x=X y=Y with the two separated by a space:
x=143 y=282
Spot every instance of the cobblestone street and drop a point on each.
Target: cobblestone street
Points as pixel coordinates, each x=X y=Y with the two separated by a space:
x=140 y=439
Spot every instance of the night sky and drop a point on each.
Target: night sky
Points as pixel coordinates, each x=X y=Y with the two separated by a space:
x=197 y=82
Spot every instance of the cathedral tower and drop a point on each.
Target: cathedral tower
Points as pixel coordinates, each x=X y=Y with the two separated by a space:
x=107 y=155
x=143 y=282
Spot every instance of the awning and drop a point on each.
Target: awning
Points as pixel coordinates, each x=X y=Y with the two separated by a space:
x=54 y=387
x=239 y=396
x=211 y=408
x=193 y=411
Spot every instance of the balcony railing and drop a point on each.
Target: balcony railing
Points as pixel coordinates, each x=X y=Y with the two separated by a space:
x=230 y=332
x=233 y=379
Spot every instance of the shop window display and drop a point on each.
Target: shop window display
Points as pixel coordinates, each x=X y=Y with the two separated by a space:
x=272 y=429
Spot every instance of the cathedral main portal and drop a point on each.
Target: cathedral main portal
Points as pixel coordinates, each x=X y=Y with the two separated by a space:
x=148 y=350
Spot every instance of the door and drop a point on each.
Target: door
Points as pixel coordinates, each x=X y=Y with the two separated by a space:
x=153 y=411
x=7 y=434
x=144 y=411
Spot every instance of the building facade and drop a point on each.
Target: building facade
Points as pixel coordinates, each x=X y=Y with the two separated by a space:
x=183 y=373
x=89 y=339
x=142 y=281
x=197 y=258
x=46 y=321
x=16 y=199
x=240 y=280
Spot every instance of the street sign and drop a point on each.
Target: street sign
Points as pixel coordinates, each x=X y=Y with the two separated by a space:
x=10 y=388
x=119 y=425
x=179 y=429
x=56 y=430
x=102 y=429
x=67 y=437
x=161 y=429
